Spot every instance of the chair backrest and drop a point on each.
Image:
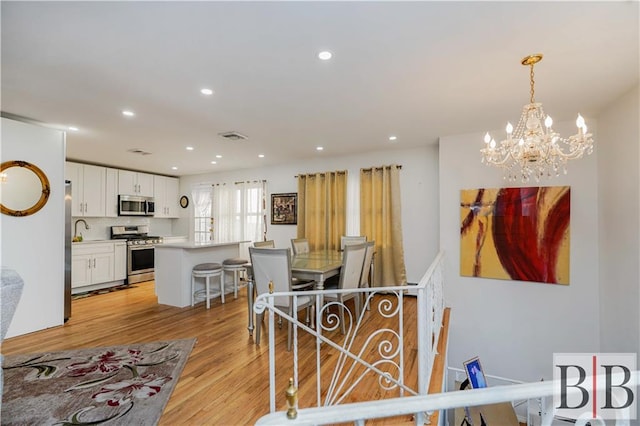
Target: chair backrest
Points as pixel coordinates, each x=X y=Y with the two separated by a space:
x=366 y=266
x=300 y=245
x=351 y=239
x=271 y=265
x=352 y=261
x=264 y=244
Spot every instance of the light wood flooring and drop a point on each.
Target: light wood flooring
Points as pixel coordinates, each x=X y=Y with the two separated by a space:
x=225 y=381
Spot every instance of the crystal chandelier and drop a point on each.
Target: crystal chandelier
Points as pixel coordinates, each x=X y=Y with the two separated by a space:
x=533 y=149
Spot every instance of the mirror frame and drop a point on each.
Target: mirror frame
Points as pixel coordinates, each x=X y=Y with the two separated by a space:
x=44 y=195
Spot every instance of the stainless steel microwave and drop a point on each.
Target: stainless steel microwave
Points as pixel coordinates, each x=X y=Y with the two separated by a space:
x=135 y=205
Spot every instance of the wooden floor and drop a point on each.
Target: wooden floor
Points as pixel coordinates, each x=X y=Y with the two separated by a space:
x=225 y=381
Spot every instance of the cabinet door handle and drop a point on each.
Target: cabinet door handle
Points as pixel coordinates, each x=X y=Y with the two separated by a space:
x=94 y=262
x=89 y=263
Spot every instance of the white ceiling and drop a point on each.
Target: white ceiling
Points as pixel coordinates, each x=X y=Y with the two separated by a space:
x=417 y=70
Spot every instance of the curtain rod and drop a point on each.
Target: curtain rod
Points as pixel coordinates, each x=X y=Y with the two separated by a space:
x=251 y=181
x=381 y=167
x=340 y=172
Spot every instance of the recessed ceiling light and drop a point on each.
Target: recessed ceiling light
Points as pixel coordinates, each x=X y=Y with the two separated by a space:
x=325 y=55
x=189 y=148
x=174 y=168
x=128 y=113
x=319 y=148
x=393 y=138
x=260 y=155
x=214 y=162
x=206 y=91
x=73 y=128
x=218 y=156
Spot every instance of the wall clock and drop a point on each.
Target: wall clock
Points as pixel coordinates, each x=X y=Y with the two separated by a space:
x=184 y=201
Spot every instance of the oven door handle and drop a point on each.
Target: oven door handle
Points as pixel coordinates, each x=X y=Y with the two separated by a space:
x=142 y=247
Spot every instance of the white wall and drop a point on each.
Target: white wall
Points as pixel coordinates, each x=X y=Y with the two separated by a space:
x=619 y=192
x=515 y=327
x=34 y=245
x=418 y=177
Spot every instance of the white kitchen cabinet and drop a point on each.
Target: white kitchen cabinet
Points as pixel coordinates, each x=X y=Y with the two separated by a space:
x=80 y=270
x=120 y=260
x=111 y=193
x=92 y=263
x=165 y=194
x=135 y=183
x=88 y=185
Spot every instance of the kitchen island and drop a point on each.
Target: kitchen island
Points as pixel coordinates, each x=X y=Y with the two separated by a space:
x=174 y=262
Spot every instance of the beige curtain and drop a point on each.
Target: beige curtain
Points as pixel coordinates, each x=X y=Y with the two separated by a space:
x=322 y=200
x=381 y=221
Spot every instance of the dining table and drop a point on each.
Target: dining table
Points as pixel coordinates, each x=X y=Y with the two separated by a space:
x=316 y=265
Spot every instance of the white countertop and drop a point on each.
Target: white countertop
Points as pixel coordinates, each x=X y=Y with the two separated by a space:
x=98 y=241
x=192 y=245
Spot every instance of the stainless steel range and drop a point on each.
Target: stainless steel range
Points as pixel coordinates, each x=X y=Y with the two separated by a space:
x=140 y=251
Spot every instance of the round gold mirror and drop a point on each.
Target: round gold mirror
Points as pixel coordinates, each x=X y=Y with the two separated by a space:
x=24 y=188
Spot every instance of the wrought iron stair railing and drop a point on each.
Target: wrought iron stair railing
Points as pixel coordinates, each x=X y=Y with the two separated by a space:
x=381 y=352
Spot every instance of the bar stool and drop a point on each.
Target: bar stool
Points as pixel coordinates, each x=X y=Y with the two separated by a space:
x=206 y=271
x=235 y=265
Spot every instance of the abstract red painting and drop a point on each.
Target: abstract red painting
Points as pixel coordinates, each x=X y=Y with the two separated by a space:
x=519 y=234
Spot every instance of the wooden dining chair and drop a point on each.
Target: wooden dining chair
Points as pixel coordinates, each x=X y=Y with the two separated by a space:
x=350 y=275
x=351 y=239
x=366 y=279
x=264 y=244
x=300 y=246
x=271 y=265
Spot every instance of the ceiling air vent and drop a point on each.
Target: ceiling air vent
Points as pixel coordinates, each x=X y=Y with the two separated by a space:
x=138 y=151
x=233 y=136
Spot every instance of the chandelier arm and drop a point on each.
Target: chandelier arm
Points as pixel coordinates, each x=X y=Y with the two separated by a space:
x=489 y=157
x=580 y=146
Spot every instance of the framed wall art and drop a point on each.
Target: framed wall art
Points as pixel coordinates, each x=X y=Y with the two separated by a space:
x=519 y=234
x=475 y=374
x=284 y=209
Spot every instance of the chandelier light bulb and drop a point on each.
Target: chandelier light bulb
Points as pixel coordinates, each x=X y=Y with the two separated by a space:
x=487 y=138
x=548 y=122
x=521 y=142
x=493 y=143
x=580 y=122
x=509 y=128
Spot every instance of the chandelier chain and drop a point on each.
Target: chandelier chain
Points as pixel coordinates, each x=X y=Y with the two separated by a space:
x=532 y=91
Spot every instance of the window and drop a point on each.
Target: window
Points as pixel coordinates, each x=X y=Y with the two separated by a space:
x=230 y=212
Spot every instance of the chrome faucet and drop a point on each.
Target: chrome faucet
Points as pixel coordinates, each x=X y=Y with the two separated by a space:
x=75 y=226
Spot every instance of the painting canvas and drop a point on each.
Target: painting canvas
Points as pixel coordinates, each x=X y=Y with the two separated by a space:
x=284 y=209
x=519 y=234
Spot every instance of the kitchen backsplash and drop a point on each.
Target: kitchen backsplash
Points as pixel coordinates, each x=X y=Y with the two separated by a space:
x=100 y=227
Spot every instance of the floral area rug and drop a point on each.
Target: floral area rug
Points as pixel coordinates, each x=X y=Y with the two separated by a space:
x=121 y=385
